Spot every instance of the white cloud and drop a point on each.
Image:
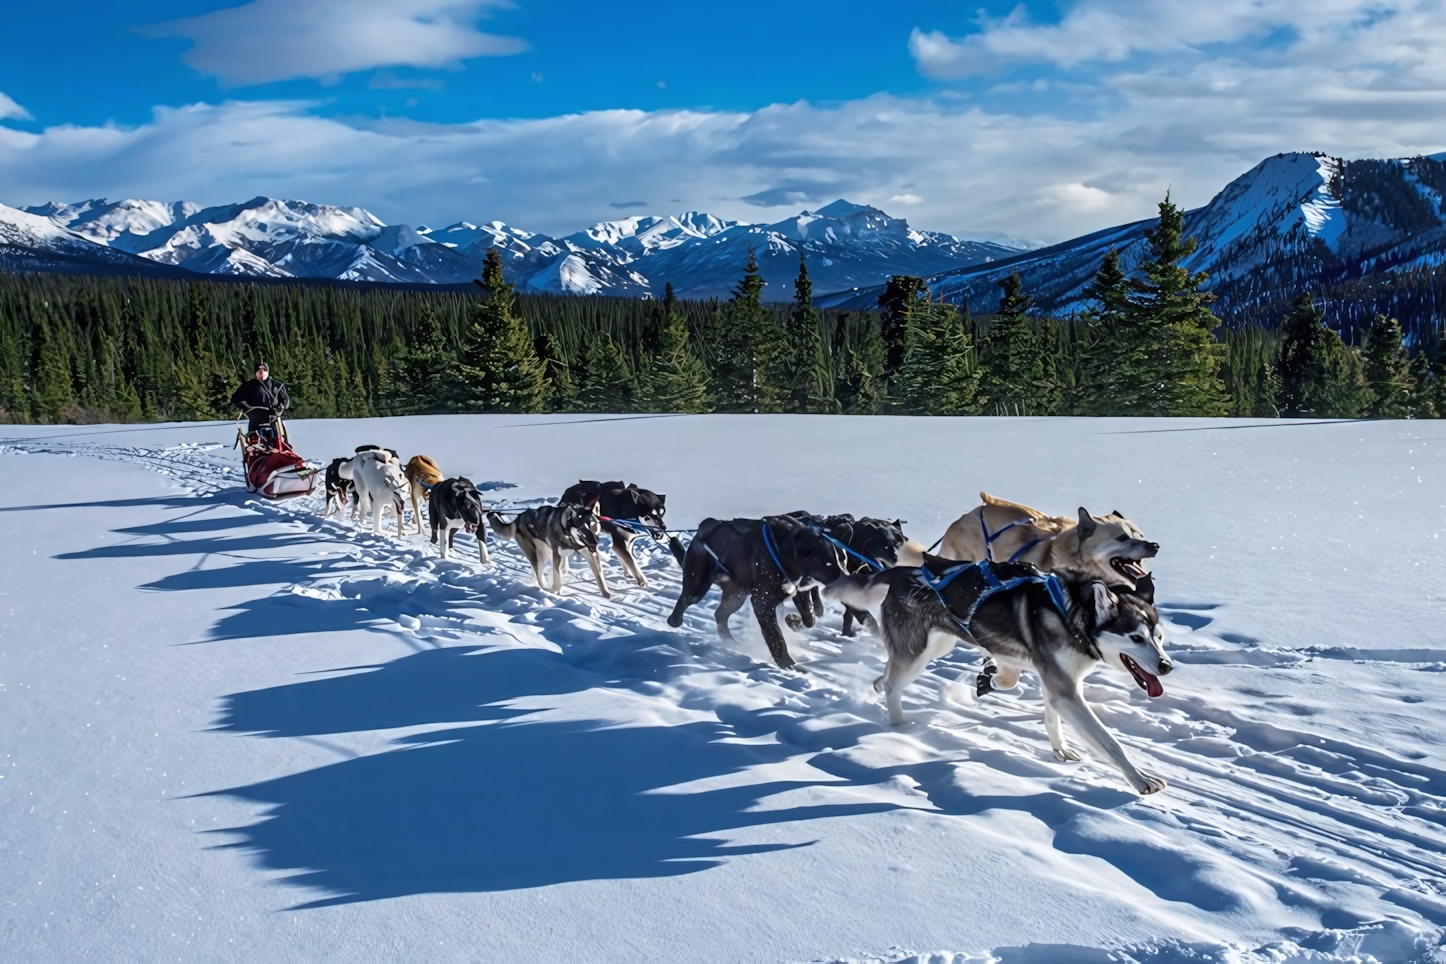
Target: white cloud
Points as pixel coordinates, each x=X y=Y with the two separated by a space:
x=1401 y=34
x=271 y=40
x=9 y=110
x=1105 y=152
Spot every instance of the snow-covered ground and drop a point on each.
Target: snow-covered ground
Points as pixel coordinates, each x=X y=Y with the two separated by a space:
x=233 y=730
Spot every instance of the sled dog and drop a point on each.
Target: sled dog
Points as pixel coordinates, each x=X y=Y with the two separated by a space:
x=769 y=560
x=625 y=511
x=1108 y=548
x=1061 y=625
x=338 y=485
x=456 y=504
x=422 y=474
x=379 y=480
x=868 y=545
x=562 y=530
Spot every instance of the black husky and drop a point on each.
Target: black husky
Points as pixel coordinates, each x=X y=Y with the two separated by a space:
x=873 y=545
x=456 y=504
x=769 y=559
x=625 y=512
x=338 y=486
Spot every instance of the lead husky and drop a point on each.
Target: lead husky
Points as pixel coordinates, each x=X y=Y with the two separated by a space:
x=563 y=530
x=1061 y=625
x=1110 y=548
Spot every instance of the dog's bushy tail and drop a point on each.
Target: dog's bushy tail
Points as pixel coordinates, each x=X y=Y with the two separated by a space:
x=699 y=570
x=676 y=548
x=503 y=528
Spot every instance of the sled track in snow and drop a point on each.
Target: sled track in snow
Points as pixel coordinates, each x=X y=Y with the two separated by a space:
x=1352 y=825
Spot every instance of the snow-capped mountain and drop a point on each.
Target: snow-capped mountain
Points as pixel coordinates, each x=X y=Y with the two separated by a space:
x=847 y=245
x=30 y=242
x=1295 y=222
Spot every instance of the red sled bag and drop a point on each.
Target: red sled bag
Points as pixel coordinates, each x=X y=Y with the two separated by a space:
x=273 y=469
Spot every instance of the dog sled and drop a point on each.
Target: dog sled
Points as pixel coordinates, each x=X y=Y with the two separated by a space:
x=273 y=469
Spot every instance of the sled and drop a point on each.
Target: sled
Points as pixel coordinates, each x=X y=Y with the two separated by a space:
x=273 y=469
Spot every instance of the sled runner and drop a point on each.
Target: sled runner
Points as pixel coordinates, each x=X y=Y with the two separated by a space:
x=273 y=469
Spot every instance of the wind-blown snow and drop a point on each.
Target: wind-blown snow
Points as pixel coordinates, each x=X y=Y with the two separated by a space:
x=221 y=708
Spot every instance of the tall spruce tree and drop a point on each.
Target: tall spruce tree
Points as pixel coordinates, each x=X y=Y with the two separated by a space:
x=901 y=295
x=1017 y=374
x=607 y=381
x=938 y=375
x=1113 y=356
x=861 y=379
x=1387 y=370
x=749 y=345
x=1173 y=326
x=805 y=370
x=500 y=368
x=676 y=380
x=426 y=376
x=1319 y=378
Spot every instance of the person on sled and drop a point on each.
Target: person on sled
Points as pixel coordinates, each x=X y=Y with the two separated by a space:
x=262 y=399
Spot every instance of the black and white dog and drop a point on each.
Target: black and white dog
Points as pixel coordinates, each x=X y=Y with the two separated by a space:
x=869 y=545
x=562 y=530
x=769 y=559
x=625 y=512
x=456 y=504
x=1060 y=625
x=338 y=485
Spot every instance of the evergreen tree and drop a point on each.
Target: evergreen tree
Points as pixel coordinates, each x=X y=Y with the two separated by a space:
x=749 y=345
x=901 y=295
x=426 y=377
x=51 y=394
x=562 y=388
x=1017 y=374
x=938 y=375
x=805 y=370
x=861 y=362
x=1175 y=329
x=676 y=381
x=1113 y=357
x=1387 y=370
x=1319 y=378
x=606 y=384
x=1250 y=372
x=500 y=367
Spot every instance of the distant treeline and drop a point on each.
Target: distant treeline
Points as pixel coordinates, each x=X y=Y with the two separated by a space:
x=75 y=349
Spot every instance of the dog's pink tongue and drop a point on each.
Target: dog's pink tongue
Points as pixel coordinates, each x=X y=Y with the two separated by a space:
x=1152 y=684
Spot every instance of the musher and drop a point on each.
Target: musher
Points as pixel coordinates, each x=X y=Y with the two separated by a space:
x=262 y=399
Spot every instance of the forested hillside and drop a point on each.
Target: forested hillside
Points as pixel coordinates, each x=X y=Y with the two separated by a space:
x=87 y=349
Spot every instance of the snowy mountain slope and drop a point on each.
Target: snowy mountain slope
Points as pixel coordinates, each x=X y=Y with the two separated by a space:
x=447 y=763
x=1295 y=222
x=32 y=243
x=702 y=255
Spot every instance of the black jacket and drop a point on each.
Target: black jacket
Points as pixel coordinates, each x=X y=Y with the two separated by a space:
x=270 y=395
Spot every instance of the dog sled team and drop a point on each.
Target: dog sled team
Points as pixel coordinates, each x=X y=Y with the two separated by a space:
x=1057 y=596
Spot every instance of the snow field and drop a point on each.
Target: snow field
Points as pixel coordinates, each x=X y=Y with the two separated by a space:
x=674 y=797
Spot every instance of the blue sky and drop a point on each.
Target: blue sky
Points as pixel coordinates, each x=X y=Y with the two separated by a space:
x=1039 y=120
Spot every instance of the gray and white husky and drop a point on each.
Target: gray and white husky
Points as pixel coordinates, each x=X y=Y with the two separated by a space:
x=1060 y=625
x=562 y=530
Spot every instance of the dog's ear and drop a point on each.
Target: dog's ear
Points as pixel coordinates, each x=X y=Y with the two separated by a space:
x=1107 y=604
x=662 y=498
x=1087 y=525
x=1118 y=514
x=1145 y=588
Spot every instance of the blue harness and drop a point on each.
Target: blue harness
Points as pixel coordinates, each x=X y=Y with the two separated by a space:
x=989 y=539
x=871 y=563
x=992 y=584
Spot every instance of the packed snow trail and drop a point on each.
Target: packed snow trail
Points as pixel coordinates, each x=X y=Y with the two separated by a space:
x=1304 y=814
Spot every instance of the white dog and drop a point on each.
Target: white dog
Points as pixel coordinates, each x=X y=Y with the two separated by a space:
x=380 y=481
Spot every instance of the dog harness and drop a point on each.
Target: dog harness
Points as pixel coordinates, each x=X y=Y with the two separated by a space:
x=788 y=584
x=990 y=538
x=990 y=583
x=873 y=564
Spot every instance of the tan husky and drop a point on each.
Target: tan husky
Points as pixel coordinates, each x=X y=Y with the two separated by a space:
x=1106 y=548
x=422 y=474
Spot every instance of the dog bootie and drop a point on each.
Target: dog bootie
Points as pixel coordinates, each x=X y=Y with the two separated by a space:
x=984 y=682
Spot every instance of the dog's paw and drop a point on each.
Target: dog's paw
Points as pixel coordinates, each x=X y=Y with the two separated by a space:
x=984 y=682
x=794 y=621
x=1067 y=755
x=1149 y=783
x=879 y=685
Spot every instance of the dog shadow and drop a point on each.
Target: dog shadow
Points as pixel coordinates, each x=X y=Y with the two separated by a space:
x=505 y=802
